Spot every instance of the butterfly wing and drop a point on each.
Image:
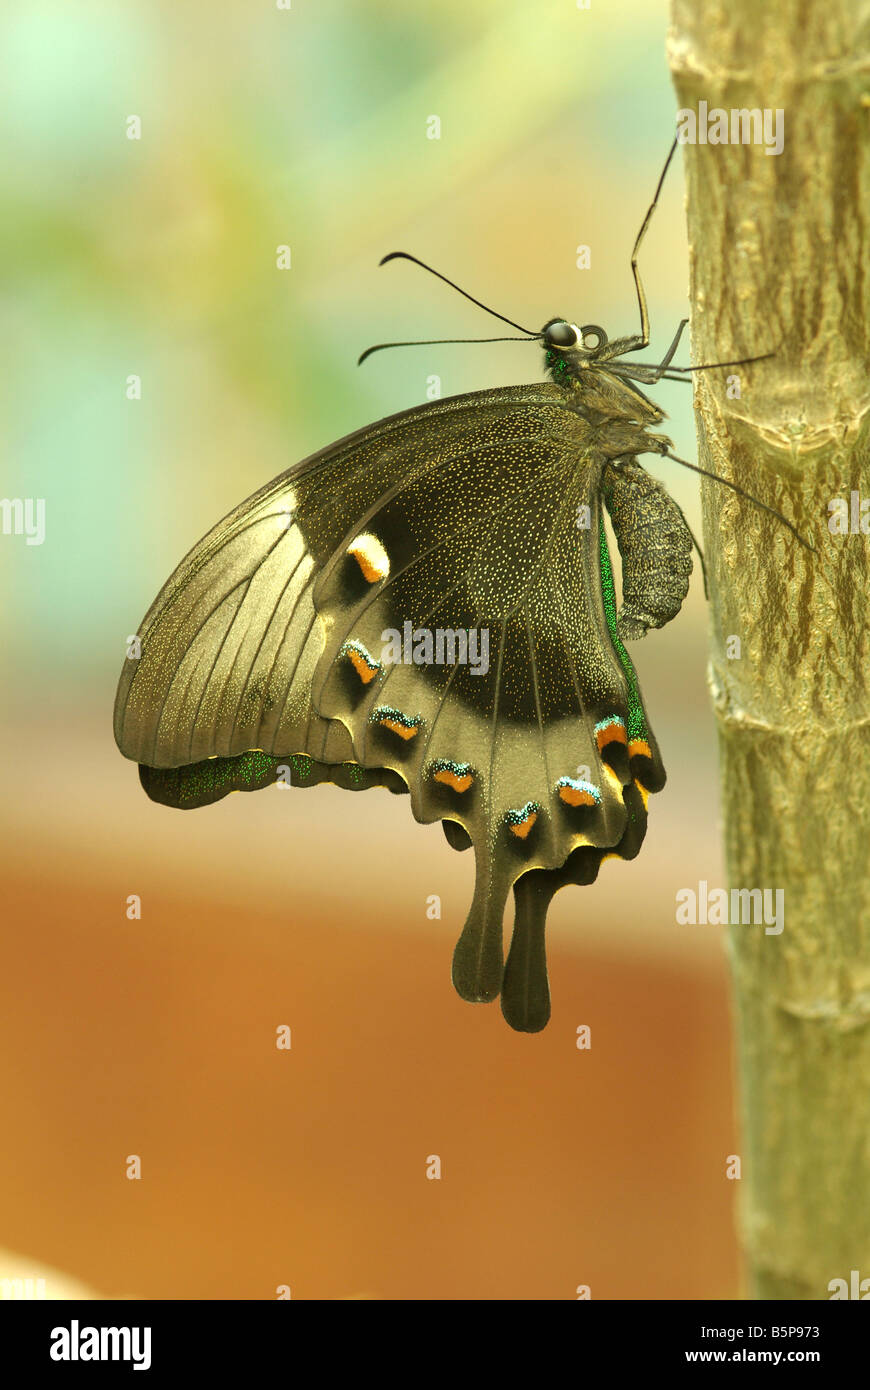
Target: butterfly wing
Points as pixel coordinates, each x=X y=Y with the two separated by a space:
x=307 y=624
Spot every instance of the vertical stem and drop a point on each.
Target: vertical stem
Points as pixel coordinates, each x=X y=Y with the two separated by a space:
x=780 y=260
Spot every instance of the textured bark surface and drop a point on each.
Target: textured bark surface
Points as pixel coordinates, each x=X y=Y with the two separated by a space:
x=780 y=260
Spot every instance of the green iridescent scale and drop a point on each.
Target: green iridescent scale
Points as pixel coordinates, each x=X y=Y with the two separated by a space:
x=636 y=718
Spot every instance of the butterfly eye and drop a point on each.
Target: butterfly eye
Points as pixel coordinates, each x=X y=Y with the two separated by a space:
x=593 y=337
x=560 y=335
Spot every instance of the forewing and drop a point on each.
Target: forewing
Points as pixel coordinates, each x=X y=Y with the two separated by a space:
x=229 y=646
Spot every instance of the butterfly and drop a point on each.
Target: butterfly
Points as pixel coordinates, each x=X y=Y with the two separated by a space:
x=472 y=522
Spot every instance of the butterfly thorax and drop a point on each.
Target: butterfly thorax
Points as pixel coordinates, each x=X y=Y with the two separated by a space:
x=577 y=360
x=598 y=394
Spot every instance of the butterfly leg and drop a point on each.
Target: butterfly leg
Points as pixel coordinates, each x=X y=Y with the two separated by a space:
x=662 y=367
x=640 y=371
x=643 y=340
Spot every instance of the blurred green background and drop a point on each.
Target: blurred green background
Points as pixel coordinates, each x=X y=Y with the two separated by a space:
x=307 y=127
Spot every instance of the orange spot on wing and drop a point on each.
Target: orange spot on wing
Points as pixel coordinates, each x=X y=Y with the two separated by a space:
x=401 y=729
x=576 y=796
x=371 y=557
x=522 y=829
x=450 y=779
x=611 y=733
x=365 y=672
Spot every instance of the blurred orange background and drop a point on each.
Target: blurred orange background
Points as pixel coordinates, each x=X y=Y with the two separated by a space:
x=307 y=1168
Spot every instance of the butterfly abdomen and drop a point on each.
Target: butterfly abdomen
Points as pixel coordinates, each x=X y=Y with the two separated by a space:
x=655 y=545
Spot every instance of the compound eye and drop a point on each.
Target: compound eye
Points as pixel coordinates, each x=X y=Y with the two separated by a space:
x=594 y=338
x=560 y=335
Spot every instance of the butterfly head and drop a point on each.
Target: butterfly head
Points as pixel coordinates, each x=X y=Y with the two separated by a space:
x=569 y=350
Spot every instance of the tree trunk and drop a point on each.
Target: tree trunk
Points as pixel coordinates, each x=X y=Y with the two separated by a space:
x=780 y=261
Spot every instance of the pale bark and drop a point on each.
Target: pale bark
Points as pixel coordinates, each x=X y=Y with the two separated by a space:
x=780 y=259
